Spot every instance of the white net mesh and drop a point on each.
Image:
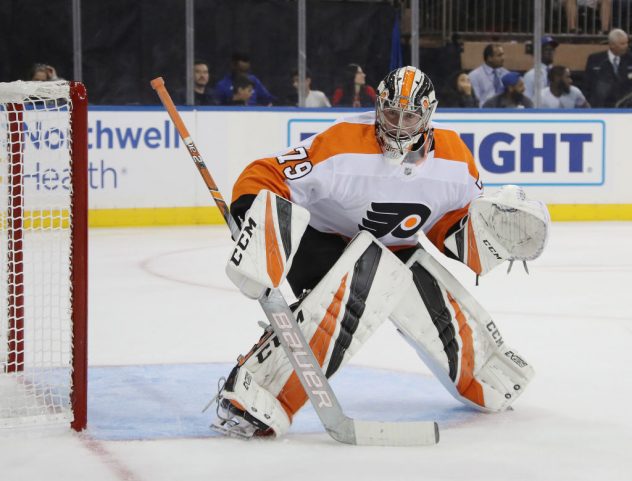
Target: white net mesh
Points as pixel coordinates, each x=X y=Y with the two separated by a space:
x=35 y=250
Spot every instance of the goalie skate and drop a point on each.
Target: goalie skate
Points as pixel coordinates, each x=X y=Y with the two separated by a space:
x=232 y=421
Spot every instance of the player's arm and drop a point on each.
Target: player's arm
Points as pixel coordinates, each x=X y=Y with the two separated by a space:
x=452 y=225
x=259 y=175
x=274 y=174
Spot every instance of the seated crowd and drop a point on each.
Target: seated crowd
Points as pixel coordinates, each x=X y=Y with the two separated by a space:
x=607 y=80
x=606 y=83
x=241 y=87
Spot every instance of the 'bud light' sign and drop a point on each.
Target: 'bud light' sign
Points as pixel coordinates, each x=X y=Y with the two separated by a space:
x=536 y=152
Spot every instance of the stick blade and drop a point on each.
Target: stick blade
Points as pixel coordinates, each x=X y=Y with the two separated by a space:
x=375 y=433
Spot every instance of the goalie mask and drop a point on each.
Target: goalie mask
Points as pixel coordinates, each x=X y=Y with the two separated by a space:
x=403 y=109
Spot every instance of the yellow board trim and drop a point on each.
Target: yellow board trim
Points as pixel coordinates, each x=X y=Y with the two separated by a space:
x=164 y=216
x=590 y=212
x=159 y=216
x=154 y=216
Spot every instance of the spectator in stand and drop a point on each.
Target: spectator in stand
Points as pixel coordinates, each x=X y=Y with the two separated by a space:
x=548 y=46
x=459 y=92
x=608 y=75
x=240 y=65
x=605 y=13
x=243 y=90
x=353 y=90
x=561 y=93
x=202 y=93
x=486 y=78
x=513 y=95
x=41 y=72
x=313 y=98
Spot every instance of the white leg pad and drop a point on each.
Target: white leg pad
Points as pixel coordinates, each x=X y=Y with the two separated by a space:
x=337 y=317
x=459 y=342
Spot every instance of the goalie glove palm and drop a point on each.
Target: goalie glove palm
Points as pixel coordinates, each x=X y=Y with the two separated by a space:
x=502 y=226
x=518 y=227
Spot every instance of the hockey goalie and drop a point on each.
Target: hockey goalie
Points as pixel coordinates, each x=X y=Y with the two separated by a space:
x=338 y=216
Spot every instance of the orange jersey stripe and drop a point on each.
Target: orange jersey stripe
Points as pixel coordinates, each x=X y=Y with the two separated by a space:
x=293 y=396
x=449 y=146
x=437 y=234
x=261 y=174
x=344 y=138
x=439 y=231
x=341 y=138
x=468 y=386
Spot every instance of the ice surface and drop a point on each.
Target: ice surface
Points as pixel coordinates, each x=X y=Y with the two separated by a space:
x=165 y=323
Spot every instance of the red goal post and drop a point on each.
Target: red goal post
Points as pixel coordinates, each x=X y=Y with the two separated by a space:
x=43 y=251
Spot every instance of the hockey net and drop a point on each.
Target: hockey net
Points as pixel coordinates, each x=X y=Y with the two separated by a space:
x=43 y=251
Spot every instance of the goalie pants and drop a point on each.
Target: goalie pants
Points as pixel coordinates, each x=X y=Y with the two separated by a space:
x=316 y=254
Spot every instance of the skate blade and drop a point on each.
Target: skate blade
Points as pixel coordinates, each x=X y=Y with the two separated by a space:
x=234 y=431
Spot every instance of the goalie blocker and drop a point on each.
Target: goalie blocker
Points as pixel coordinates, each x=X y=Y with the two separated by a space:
x=455 y=337
x=267 y=243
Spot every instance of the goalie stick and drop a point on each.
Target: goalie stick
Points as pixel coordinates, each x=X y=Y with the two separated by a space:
x=339 y=426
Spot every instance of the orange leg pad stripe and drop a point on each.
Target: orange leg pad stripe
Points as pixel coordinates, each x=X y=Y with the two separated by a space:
x=292 y=395
x=467 y=385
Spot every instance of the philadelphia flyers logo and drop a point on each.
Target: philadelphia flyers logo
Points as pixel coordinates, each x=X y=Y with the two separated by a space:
x=399 y=220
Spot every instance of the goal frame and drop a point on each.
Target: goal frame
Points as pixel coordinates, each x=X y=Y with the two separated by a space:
x=79 y=247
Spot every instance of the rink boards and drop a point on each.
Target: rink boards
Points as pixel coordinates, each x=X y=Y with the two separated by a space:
x=141 y=174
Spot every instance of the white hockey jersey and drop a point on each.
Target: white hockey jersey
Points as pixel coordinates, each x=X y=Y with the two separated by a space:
x=341 y=177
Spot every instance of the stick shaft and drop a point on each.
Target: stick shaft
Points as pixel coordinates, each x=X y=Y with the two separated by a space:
x=158 y=85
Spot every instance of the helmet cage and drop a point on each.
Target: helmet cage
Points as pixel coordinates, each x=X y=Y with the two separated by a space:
x=401 y=121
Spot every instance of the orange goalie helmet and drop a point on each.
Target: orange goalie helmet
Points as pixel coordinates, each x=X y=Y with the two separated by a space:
x=404 y=107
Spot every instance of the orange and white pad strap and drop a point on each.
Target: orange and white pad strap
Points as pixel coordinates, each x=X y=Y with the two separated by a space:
x=336 y=317
x=269 y=238
x=458 y=340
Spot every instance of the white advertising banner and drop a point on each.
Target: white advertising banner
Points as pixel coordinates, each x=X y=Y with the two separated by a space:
x=137 y=159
